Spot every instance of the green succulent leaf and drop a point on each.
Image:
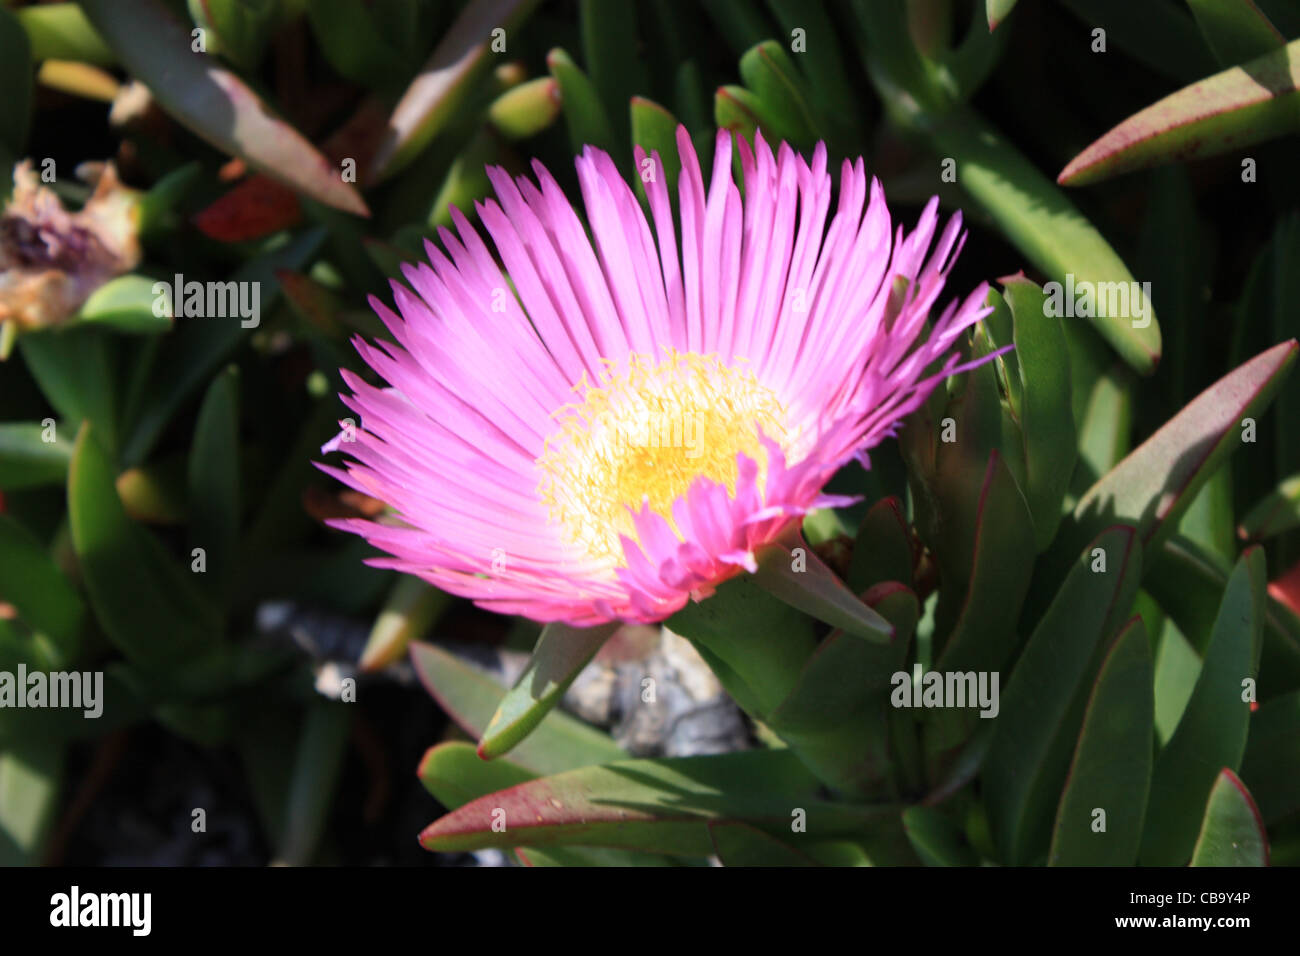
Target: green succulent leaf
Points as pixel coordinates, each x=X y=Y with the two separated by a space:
x=560 y=655
x=1276 y=513
x=882 y=550
x=213 y=103
x=189 y=357
x=1239 y=107
x=1272 y=754
x=455 y=774
x=754 y=642
x=410 y=610
x=527 y=109
x=984 y=635
x=1111 y=769
x=937 y=839
x=16 y=78
x=584 y=114
x=654 y=129
x=1040 y=399
x=794 y=573
x=352 y=42
x=773 y=78
x=739 y=844
x=31 y=781
x=125 y=304
x=1189 y=582
x=1156 y=483
x=75 y=371
x=214 y=484
x=239 y=30
x=45 y=600
x=1212 y=732
x=27 y=460
x=614 y=58
x=1232 y=833
x=470 y=696
x=659 y=806
x=446 y=79
x=997 y=10
x=60 y=31
x=317 y=764
x=738 y=110
x=835 y=716
x=1042 y=707
x=1236 y=30
x=147 y=606
x=1037 y=217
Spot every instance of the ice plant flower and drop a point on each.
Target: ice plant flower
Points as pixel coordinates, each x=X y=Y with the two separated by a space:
x=624 y=423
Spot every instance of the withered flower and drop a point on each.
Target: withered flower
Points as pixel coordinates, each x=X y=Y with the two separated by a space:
x=51 y=260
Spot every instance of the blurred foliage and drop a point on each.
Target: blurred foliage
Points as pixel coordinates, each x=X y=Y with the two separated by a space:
x=1105 y=535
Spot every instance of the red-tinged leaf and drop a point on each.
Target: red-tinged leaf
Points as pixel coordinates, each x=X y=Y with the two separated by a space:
x=1232 y=833
x=1286 y=588
x=1156 y=483
x=257 y=207
x=660 y=806
x=464 y=51
x=213 y=102
x=996 y=11
x=793 y=572
x=1239 y=107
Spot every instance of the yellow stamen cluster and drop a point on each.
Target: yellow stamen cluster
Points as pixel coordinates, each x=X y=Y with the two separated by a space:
x=645 y=432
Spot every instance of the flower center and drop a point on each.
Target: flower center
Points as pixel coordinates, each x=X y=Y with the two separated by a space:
x=645 y=434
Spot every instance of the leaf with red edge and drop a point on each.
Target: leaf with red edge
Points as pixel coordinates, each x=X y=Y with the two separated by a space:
x=661 y=806
x=213 y=102
x=1156 y=483
x=1232 y=833
x=1239 y=107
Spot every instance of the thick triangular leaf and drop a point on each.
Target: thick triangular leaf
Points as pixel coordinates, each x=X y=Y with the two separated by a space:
x=1042 y=706
x=1237 y=108
x=793 y=572
x=1232 y=832
x=739 y=844
x=1213 y=729
x=1111 y=769
x=470 y=696
x=937 y=839
x=661 y=806
x=148 y=607
x=1272 y=756
x=561 y=653
x=1156 y=483
x=213 y=103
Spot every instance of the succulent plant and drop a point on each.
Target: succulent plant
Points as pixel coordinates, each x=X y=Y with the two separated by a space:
x=1004 y=576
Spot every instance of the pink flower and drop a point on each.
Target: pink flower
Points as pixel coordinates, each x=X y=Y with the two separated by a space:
x=631 y=422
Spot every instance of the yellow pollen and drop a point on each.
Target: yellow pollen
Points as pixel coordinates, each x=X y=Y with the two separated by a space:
x=645 y=434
